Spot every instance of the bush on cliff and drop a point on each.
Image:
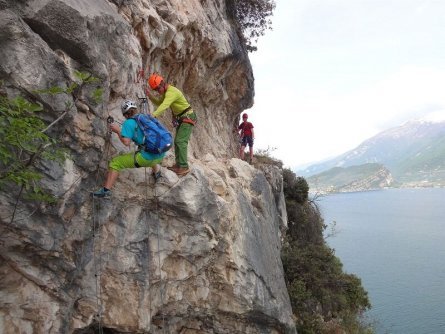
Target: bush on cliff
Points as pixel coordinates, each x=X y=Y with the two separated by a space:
x=25 y=138
x=264 y=157
x=323 y=297
x=252 y=17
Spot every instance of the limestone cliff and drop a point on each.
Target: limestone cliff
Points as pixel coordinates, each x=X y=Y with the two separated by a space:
x=199 y=254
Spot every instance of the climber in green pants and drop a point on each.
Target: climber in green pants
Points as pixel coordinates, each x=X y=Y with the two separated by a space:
x=183 y=117
x=183 y=133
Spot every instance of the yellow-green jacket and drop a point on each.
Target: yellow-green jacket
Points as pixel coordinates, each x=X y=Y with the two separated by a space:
x=173 y=99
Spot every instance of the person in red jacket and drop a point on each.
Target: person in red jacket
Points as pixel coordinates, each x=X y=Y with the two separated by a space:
x=247 y=136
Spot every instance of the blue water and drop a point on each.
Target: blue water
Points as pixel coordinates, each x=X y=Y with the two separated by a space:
x=394 y=240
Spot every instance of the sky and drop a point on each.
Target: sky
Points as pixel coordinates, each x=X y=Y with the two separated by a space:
x=333 y=73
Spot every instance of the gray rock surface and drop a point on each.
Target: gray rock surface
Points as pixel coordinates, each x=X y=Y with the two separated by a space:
x=197 y=254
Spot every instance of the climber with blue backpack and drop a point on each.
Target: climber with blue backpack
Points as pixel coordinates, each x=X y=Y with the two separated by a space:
x=148 y=133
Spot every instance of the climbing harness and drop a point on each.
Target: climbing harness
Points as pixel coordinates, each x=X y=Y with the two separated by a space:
x=186 y=120
x=136 y=164
x=179 y=119
x=184 y=111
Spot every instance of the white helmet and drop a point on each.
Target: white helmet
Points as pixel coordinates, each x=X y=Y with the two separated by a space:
x=127 y=105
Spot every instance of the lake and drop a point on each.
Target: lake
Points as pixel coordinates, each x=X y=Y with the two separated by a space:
x=394 y=240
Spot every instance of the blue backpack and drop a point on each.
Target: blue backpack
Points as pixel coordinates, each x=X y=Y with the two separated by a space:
x=157 y=139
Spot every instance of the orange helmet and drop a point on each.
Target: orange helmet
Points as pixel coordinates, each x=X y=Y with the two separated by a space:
x=154 y=80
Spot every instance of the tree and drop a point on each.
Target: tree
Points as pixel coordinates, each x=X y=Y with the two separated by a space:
x=24 y=139
x=321 y=294
x=295 y=188
x=253 y=18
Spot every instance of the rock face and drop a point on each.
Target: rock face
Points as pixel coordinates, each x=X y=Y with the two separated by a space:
x=199 y=254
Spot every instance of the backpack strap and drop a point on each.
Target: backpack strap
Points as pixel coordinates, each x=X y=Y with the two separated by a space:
x=139 y=125
x=140 y=146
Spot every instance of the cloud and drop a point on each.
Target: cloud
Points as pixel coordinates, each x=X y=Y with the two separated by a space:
x=310 y=127
x=322 y=91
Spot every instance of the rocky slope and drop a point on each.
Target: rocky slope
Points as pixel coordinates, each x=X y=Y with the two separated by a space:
x=200 y=254
x=350 y=179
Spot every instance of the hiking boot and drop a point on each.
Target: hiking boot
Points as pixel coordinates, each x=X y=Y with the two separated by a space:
x=175 y=166
x=157 y=175
x=102 y=193
x=181 y=170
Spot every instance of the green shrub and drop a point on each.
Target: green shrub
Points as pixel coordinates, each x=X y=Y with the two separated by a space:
x=295 y=188
x=322 y=295
x=22 y=143
x=25 y=142
x=264 y=157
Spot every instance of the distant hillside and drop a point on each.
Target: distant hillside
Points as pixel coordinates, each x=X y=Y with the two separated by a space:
x=414 y=153
x=355 y=178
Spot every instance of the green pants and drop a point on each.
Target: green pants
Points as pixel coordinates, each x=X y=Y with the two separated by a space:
x=183 y=133
x=127 y=161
